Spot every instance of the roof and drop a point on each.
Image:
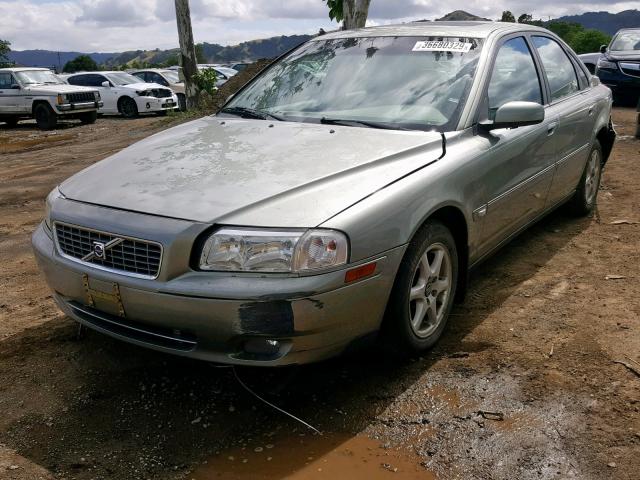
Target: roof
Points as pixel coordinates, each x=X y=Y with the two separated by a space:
x=470 y=29
x=135 y=70
x=24 y=69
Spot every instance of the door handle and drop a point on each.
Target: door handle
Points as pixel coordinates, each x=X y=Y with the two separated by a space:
x=551 y=128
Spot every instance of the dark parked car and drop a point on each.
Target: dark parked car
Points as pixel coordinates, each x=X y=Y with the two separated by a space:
x=619 y=66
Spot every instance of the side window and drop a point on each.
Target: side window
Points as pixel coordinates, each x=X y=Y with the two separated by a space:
x=141 y=75
x=77 y=80
x=559 y=69
x=584 y=81
x=156 y=78
x=514 y=76
x=95 y=80
x=6 y=80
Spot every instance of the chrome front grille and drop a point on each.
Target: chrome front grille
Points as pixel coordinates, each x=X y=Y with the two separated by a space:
x=81 y=97
x=109 y=251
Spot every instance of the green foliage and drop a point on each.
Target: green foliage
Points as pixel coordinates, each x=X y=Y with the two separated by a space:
x=205 y=80
x=79 y=64
x=589 y=41
x=200 y=56
x=5 y=48
x=507 y=16
x=525 y=18
x=579 y=39
x=335 y=10
x=171 y=60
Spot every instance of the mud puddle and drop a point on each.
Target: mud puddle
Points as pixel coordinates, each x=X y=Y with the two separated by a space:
x=313 y=457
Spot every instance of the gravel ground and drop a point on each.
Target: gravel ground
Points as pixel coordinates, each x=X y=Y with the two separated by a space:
x=525 y=384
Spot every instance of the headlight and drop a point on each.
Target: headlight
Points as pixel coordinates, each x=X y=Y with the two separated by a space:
x=53 y=196
x=606 y=64
x=96 y=95
x=144 y=93
x=247 y=250
x=62 y=99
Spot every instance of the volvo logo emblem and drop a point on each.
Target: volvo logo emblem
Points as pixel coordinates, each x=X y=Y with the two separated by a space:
x=99 y=250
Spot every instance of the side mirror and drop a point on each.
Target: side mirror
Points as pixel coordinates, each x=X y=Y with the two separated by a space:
x=106 y=84
x=603 y=49
x=516 y=114
x=15 y=86
x=594 y=81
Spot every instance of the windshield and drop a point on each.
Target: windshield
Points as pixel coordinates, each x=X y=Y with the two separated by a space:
x=121 y=78
x=626 y=41
x=30 y=77
x=171 y=76
x=402 y=82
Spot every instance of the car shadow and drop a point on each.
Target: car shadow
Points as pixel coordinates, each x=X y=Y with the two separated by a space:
x=105 y=408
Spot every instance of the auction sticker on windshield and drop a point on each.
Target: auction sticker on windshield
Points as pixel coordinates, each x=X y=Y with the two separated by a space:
x=440 y=46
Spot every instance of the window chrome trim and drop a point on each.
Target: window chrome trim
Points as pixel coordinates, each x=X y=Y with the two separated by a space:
x=100 y=267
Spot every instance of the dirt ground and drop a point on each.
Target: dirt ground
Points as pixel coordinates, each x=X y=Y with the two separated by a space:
x=528 y=382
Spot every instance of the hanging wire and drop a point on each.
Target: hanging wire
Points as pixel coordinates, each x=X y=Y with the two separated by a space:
x=275 y=407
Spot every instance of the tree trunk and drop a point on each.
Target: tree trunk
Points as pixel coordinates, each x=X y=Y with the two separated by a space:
x=355 y=13
x=187 y=52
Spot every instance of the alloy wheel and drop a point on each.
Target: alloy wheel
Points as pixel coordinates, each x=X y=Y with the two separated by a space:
x=592 y=177
x=430 y=290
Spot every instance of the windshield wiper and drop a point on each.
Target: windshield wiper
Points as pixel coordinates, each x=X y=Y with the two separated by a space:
x=364 y=123
x=245 y=112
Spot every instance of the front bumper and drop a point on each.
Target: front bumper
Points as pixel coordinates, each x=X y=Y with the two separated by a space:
x=215 y=316
x=154 y=104
x=78 y=107
x=618 y=81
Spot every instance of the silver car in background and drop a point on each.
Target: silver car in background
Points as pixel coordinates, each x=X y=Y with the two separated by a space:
x=344 y=192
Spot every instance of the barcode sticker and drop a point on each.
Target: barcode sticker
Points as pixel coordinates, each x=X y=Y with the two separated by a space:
x=439 y=46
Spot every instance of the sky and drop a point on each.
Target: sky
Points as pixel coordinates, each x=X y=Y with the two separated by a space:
x=118 y=25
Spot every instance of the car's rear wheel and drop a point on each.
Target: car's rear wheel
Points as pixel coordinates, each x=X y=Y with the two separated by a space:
x=88 y=118
x=424 y=290
x=45 y=117
x=127 y=107
x=585 y=198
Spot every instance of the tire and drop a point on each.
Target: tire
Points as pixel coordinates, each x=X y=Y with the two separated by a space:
x=182 y=102
x=45 y=117
x=584 y=200
x=11 y=122
x=88 y=118
x=423 y=292
x=127 y=107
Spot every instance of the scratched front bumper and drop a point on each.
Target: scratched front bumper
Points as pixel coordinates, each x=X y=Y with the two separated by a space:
x=211 y=315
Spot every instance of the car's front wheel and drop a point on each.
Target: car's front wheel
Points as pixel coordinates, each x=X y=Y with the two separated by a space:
x=127 y=107
x=182 y=102
x=424 y=290
x=584 y=200
x=45 y=117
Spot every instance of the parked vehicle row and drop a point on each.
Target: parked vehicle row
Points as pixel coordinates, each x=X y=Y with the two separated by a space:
x=125 y=94
x=39 y=93
x=344 y=193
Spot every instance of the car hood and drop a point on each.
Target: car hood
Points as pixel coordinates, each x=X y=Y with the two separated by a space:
x=624 y=55
x=253 y=172
x=60 y=88
x=143 y=86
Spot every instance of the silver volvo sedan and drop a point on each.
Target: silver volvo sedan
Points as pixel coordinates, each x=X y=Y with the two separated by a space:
x=344 y=192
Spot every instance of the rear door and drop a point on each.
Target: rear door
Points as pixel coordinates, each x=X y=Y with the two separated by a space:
x=518 y=164
x=569 y=101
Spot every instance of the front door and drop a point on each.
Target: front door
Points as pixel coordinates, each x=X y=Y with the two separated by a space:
x=518 y=165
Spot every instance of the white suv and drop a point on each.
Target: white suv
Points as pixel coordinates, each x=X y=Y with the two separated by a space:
x=122 y=93
x=39 y=93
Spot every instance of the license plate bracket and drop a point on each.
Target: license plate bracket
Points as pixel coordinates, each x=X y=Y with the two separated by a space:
x=91 y=295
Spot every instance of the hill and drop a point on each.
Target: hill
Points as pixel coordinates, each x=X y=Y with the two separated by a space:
x=215 y=53
x=48 y=58
x=460 y=16
x=606 y=22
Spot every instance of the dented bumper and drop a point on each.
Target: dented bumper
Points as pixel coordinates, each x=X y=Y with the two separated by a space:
x=221 y=317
